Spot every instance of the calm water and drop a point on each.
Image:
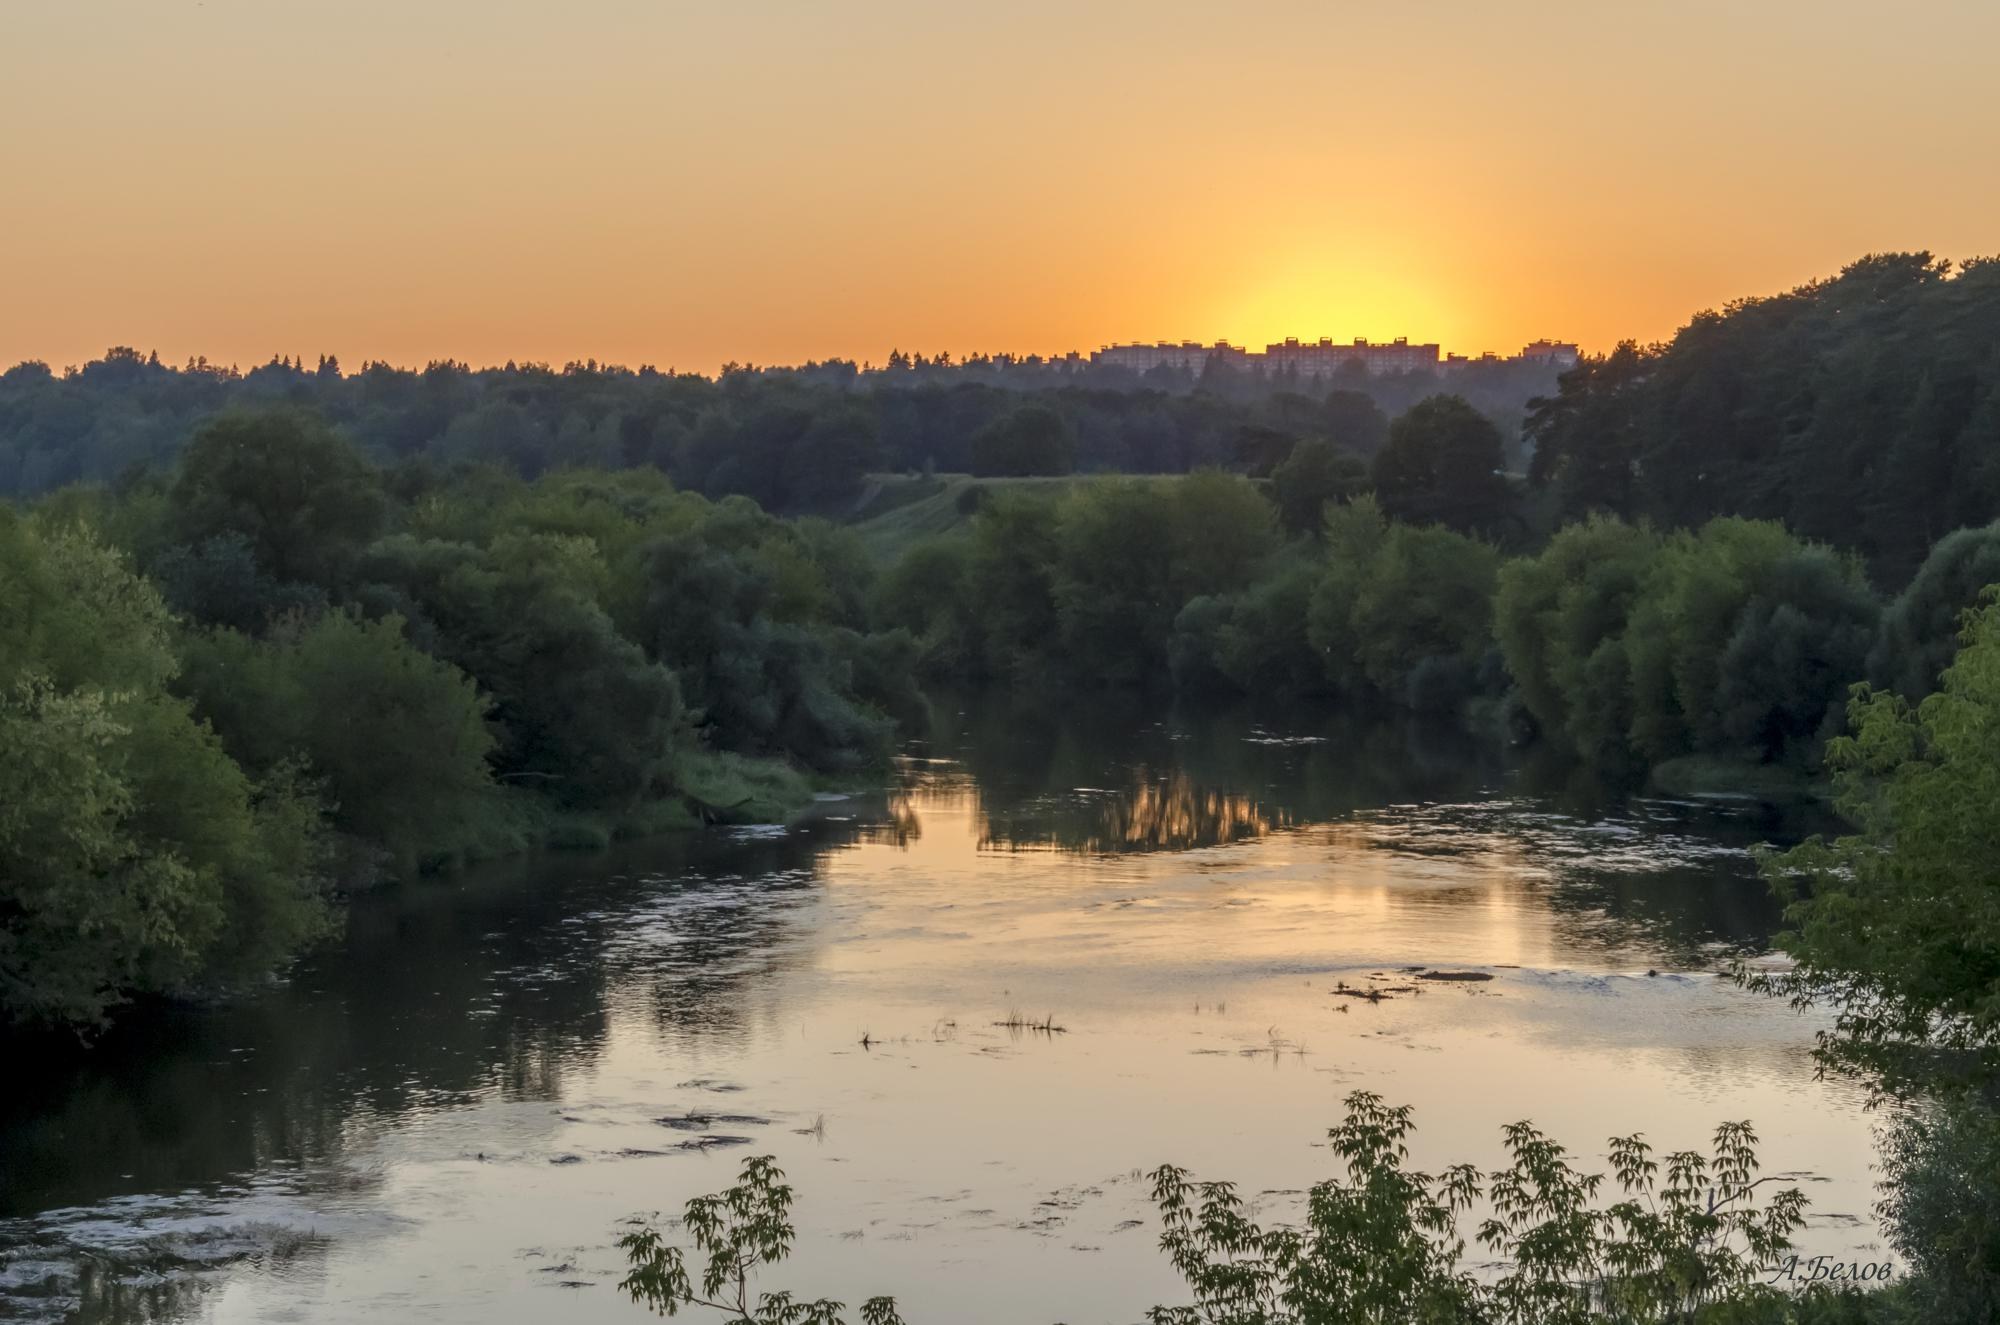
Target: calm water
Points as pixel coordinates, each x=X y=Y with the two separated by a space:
x=446 y=1117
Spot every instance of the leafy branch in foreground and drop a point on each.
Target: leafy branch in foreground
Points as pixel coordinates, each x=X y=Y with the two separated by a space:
x=1378 y=1247
x=1382 y=1247
x=1896 y=927
x=737 y=1230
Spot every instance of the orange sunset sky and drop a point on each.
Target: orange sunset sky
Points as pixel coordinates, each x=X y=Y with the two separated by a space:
x=769 y=182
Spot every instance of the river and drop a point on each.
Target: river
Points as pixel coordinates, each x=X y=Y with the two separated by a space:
x=448 y=1115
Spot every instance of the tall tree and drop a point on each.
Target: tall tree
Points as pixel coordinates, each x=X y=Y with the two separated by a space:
x=1442 y=465
x=282 y=479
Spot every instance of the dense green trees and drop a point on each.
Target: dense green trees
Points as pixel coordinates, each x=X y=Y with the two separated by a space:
x=1032 y=440
x=795 y=440
x=1442 y=465
x=370 y=674
x=584 y=717
x=1736 y=640
x=1401 y=611
x=1920 y=628
x=134 y=854
x=1315 y=474
x=1896 y=926
x=1086 y=584
x=282 y=482
x=1863 y=411
x=1737 y=596
x=1141 y=583
x=1895 y=930
x=396 y=740
x=1560 y=620
x=754 y=653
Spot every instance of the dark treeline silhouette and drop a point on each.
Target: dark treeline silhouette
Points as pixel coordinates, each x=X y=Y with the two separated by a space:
x=797 y=440
x=1862 y=411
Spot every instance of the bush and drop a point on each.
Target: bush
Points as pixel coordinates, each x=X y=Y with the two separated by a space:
x=1033 y=440
x=1382 y=1246
x=1316 y=474
x=1943 y=1208
x=1741 y=640
x=1920 y=628
x=134 y=855
x=1442 y=465
x=1560 y=620
x=397 y=739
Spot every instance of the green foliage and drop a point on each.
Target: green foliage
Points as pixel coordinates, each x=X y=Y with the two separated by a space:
x=1442 y=465
x=218 y=582
x=1014 y=545
x=823 y=470
x=812 y=438
x=1736 y=640
x=1032 y=440
x=1113 y=579
x=1127 y=556
x=1253 y=641
x=1736 y=594
x=396 y=739
x=763 y=678
x=1427 y=599
x=1354 y=537
x=1942 y=1207
x=1861 y=410
x=1353 y=421
x=582 y=715
x=1560 y=621
x=300 y=496
x=929 y=593
x=1897 y=926
x=1399 y=610
x=1797 y=645
x=134 y=855
x=1382 y=1247
x=737 y=1232
x=1315 y=474
x=1920 y=628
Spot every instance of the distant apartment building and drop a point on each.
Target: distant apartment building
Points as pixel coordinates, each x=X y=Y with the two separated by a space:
x=1324 y=358
x=1559 y=353
x=1188 y=356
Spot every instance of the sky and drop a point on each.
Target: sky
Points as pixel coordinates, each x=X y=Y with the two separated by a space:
x=685 y=185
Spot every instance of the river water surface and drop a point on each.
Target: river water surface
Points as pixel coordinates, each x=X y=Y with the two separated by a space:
x=448 y=1115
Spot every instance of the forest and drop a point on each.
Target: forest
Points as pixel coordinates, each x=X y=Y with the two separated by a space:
x=800 y=440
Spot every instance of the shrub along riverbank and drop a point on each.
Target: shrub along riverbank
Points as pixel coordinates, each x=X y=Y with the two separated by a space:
x=1726 y=650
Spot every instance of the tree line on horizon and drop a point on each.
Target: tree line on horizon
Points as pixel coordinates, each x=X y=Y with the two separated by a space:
x=796 y=440
x=1862 y=410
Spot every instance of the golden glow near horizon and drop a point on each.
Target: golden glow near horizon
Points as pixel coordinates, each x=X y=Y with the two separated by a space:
x=683 y=185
